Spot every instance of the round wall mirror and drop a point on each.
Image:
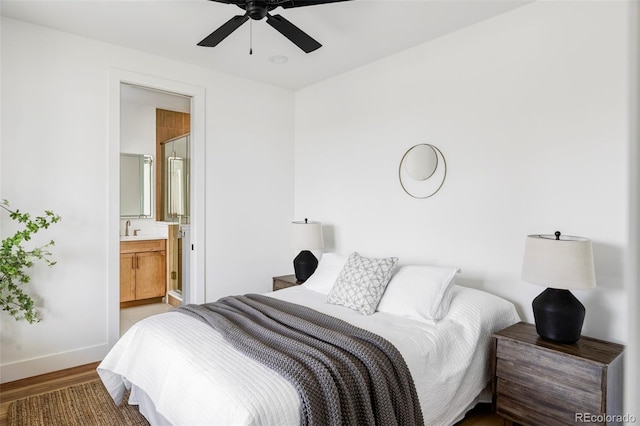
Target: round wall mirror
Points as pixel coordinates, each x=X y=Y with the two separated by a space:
x=422 y=170
x=421 y=162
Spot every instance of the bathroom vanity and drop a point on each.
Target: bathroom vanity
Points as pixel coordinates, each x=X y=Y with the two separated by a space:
x=143 y=271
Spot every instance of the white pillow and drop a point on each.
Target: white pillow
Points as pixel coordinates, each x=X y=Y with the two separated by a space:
x=420 y=292
x=361 y=283
x=325 y=275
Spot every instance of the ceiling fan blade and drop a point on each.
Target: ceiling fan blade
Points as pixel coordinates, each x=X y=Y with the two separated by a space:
x=223 y=32
x=293 y=33
x=226 y=1
x=300 y=3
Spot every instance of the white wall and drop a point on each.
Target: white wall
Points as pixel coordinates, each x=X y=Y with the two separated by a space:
x=531 y=112
x=54 y=155
x=137 y=129
x=138 y=135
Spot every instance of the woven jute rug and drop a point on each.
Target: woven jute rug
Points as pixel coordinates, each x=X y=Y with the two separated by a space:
x=80 y=405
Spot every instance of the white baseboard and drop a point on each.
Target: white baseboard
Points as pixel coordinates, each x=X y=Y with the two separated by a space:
x=49 y=363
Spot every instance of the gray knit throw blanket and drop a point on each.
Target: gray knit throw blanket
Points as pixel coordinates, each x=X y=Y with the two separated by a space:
x=343 y=374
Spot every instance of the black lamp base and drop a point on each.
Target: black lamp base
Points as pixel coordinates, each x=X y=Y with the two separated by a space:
x=559 y=315
x=304 y=265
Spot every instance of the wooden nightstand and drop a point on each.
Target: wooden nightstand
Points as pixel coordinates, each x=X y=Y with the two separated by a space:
x=285 y=281
x=539 y=382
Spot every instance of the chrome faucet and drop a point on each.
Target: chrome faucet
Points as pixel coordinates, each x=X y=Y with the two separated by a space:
x=126 y=228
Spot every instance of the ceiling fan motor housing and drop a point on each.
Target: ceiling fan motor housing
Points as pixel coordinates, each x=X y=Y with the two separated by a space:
x=256 y=9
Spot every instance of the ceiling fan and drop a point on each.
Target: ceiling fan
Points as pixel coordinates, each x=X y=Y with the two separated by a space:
x=258 y=9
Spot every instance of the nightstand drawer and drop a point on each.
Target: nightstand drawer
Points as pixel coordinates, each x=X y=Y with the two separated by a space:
x=534 y=386
x=574 y=372
x=510 y=405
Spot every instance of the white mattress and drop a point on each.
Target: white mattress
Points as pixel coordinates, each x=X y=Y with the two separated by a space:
x=184 y=373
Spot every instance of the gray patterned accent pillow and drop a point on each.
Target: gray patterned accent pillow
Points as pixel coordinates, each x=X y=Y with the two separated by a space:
x=361 y=283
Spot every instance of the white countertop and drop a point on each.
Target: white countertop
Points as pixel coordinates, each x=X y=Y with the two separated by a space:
x=142 y=237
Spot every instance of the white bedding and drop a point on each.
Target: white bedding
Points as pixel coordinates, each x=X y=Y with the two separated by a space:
x=191 y=376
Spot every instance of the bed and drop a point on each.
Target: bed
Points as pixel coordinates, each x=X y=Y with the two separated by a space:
x=181 y=371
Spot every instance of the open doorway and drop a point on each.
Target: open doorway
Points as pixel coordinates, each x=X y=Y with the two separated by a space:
x=155 y=157
x=134 y=100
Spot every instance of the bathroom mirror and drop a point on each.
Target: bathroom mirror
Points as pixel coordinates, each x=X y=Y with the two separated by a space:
x=176 y=186
x=173 y=193
x=136 y=181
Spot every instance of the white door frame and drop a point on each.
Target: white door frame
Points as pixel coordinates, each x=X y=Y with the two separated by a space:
x=196 y=289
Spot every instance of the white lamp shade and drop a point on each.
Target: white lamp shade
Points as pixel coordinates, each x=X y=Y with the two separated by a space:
x=306 y=236
x=566 y=263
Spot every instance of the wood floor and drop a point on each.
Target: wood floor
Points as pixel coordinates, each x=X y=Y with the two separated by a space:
x=482 y=415
x=130 y=316
x=479 y=416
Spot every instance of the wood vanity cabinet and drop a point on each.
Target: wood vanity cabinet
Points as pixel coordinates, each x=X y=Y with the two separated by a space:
x=143 y=270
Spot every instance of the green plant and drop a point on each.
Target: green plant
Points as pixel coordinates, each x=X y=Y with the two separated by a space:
x=15 y=260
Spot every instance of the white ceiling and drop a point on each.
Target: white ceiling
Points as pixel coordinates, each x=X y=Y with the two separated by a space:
x=353 y=33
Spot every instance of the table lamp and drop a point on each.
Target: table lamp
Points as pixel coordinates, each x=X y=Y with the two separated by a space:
x=561 y=263
x=306 y=236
